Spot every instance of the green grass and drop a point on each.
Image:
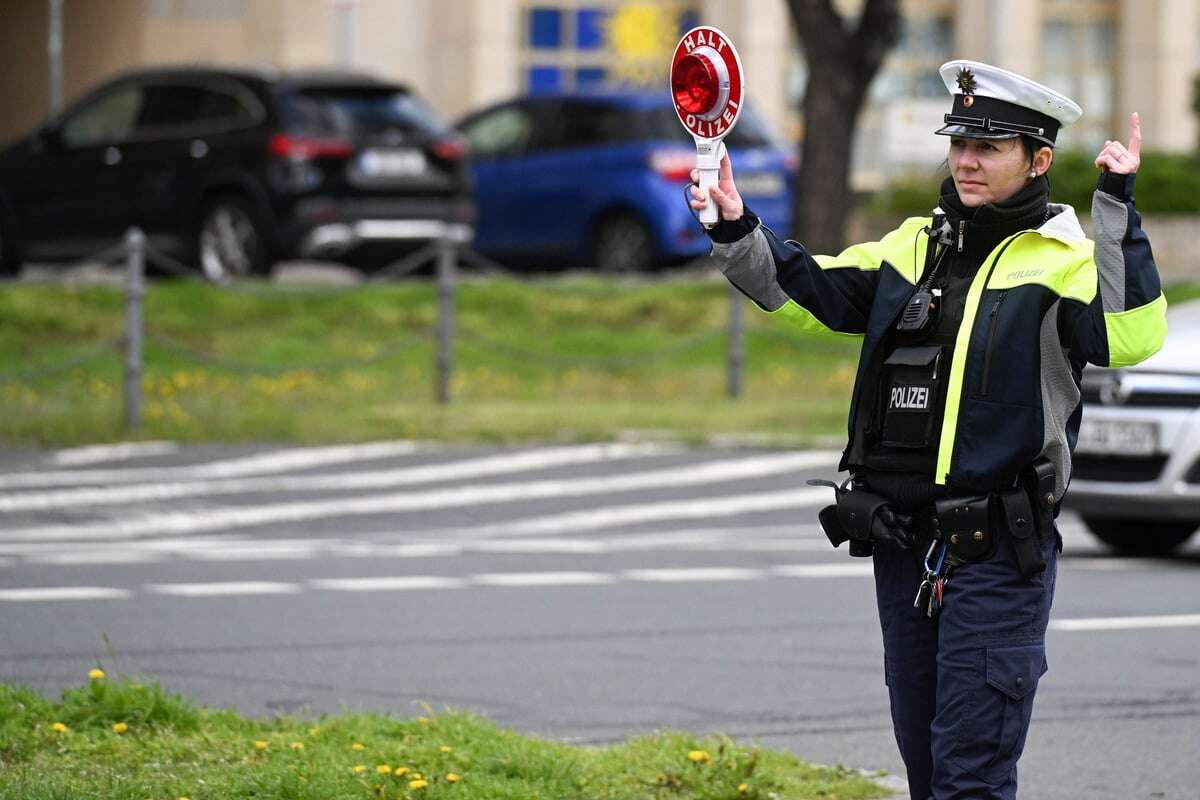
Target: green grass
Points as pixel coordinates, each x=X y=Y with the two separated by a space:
x=169 y=748
x=571 y=359
x=533 y=361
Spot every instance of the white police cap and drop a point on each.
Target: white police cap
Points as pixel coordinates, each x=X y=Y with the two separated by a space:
x=993 y=103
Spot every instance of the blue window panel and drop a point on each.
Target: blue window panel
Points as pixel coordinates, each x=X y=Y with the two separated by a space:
x=688 y=20
x=545 y=27
x=589 y=28
x=589 y=77
x=544 y=79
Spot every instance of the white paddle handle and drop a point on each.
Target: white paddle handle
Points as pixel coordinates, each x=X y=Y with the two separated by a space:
x=708 y=163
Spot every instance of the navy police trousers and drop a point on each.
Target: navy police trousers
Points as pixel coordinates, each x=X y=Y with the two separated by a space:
x=961 y=685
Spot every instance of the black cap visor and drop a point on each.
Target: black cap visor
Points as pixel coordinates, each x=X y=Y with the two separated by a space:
x=973 y=132
x=989 y=118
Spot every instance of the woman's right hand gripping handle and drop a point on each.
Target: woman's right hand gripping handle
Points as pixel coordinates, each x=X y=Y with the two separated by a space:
x=724 y=193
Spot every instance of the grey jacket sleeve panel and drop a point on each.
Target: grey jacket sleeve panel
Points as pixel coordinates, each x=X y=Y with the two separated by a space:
x=1125 y=322
x=1124 y=260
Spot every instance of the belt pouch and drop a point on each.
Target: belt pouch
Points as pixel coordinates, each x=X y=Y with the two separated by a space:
x=1040 y=481
x=1018 y=513
x=907 y=396
x=855 y=510
x=964 y=524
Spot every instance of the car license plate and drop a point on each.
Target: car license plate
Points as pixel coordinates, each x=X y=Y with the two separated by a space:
x=391 y=163
x=1117 y=438
x=760 y=184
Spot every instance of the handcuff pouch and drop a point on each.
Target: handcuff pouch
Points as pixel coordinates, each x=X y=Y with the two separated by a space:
x=1022 y=526
x=1040 y=481
x=831 y=525
x=855 y=510
x=964 y=523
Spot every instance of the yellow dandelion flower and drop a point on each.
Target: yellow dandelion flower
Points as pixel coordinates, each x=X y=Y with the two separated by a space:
x=743 y=788
x=96 y=674
x=416 y=776
x=313 y=731
x=184 y=797
x=698 y=756
x=417 y=784
x=60 y=728
x=297 y=745
x=452 y=778
x=120 y=727
x=384 y=769
x=259 y=744
x=359 y=769
x=357 y=746
x=445 y=749
x=400 y=772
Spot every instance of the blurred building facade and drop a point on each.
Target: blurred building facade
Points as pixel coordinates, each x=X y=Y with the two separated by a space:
x=1112 y=56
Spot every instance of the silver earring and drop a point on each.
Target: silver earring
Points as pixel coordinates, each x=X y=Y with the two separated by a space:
x=1033 y=173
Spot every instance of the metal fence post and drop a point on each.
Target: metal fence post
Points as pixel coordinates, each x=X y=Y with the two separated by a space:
x=446 y=259
x=737 y=343
x=135 y=288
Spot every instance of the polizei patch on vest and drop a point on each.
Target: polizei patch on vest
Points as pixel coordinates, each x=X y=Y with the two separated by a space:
x=909 y=398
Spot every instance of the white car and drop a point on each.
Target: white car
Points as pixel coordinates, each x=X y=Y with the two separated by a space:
x=1136 y=480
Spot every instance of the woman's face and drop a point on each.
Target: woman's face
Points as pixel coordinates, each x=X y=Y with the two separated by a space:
x=987 y=170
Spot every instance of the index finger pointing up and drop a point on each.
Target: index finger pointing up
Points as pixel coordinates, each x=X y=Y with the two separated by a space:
x=1135 y=135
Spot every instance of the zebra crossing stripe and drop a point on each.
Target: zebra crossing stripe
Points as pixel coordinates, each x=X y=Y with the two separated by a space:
x=722 y=471
x=157 y=491
x=76 y=456
x=275 y=461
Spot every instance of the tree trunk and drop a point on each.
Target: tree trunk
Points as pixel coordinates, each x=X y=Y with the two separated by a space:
x=842 y=62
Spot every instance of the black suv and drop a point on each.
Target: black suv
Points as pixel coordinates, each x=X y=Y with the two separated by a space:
x=231 y=170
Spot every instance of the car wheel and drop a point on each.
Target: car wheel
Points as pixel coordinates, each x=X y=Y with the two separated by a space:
x=231 y=241
x=10 y=259
x=1138 y=538
x=623 y=243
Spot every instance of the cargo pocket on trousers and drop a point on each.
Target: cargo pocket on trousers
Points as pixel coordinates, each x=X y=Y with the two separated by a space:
x=1012 y=679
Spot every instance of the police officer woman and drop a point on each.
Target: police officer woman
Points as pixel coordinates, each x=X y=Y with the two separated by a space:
x=977 y=321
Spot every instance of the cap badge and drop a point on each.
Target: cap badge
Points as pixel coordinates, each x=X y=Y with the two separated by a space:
x=966 y=82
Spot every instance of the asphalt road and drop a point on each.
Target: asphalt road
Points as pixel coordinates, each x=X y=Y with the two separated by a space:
x=587 y=592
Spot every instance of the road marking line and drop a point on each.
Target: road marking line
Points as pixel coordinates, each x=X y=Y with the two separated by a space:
x=683 y=574
x=681 y=509
x=823 y=570
x=231 y=549
x=265 y=551
x=508 y=463
x=542 y=546
x=285 y=460
x=722 y=471
x=77 y=456
x=543 y=578
x=63 y=593
x=1125 y=623
x=98 y=557
x=223 y=589
x=387 y=584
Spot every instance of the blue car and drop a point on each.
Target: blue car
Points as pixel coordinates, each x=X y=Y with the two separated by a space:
x=598 y=179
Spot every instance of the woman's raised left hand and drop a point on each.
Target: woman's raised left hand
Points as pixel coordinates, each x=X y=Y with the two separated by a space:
x=1116 y=157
